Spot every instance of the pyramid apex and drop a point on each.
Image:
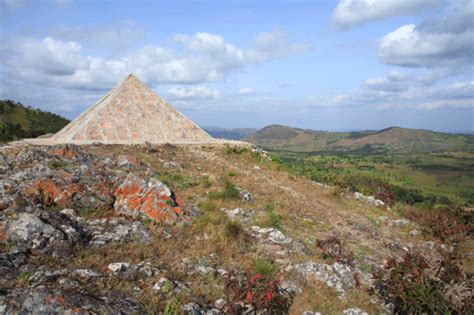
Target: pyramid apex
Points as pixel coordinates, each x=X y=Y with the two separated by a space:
x=132 y=76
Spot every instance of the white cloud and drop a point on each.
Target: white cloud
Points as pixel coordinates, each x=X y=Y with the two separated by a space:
x=194 y=92
x=245 y=91
x=394 y=81
x=439 y=41
x=398 y=90
x=49 y=57
x=349 y=13
x=207 y=58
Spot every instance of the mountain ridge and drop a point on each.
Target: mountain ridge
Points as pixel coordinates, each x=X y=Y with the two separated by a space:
x=391 y=139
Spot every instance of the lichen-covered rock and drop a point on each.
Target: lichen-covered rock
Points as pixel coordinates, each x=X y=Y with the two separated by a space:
x=239 y=214
x=354 y=311
x=43 y=300
x=46 y=230
x=104 y=231
x=369 y=200
x=338 y=276
x=68 y=151
x=47 y=192
x=399 y=223
x=137 y=198
x=244 y=195
x=30 y=154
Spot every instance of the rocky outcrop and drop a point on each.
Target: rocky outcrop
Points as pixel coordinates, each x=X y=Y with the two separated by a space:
x=369 y=200
x=338 y=276
x=136 y=198
x=64 y=176
x=66 y=297
x=46 y=231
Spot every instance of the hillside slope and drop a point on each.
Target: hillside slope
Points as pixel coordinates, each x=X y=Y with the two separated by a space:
x=18 y=121
x=395 y=139
x=141 y=229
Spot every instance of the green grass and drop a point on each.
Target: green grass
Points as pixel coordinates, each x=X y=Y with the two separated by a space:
x=229 y=192
x=178 y=181
x=264 y=267
x=173 y=307
x=424 y=179
x=270 y=219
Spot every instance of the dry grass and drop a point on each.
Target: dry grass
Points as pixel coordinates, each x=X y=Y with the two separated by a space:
x=301 y=209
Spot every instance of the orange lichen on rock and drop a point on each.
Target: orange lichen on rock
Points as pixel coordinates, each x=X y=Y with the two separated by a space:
x=66 y=151
x=48 y=192
x=45 y=191
x=135 y=197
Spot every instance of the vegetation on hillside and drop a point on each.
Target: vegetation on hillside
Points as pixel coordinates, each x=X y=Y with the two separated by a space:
x=423 y=180
x=18 y=121
x=393 y=140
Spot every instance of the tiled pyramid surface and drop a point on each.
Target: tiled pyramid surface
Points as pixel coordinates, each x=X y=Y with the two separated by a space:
x=131 y=113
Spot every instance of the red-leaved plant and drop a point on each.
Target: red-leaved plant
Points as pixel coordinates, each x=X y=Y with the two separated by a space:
x=415 y=287
x=258 y=292
x=334 y=248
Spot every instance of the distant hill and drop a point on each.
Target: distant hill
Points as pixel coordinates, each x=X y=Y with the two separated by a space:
x=394 y=139
x=231 y=134
x=18 y=121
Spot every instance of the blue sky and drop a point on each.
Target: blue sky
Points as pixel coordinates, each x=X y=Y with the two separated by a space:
x=330 y=65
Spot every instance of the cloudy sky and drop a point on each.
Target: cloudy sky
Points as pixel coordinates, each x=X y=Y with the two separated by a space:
x=329 y=65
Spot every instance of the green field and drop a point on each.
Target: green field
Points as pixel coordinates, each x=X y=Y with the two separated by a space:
x=427 y=179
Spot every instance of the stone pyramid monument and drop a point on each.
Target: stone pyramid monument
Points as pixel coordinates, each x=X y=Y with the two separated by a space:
x=131 y=114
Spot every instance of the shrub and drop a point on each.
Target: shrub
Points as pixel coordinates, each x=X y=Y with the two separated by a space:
x=233 y=230
x=447 y=223
x=262 y=293
x=230 y=191
x=334 y=248
x=413 y=287
x=264 y=267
